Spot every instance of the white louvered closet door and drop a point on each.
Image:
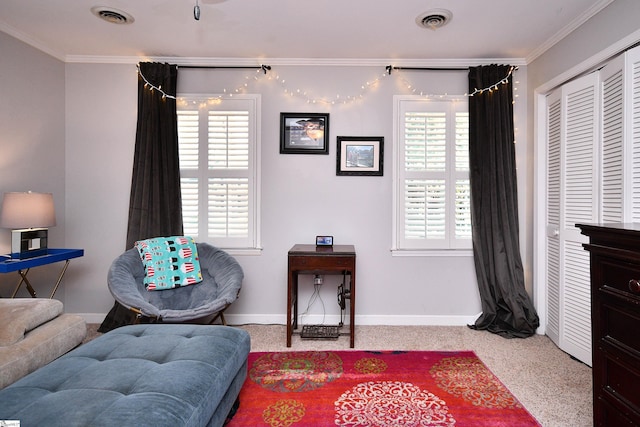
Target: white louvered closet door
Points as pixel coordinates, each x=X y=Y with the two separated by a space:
x=593 y=175
x=573 y=129
x=632 y=132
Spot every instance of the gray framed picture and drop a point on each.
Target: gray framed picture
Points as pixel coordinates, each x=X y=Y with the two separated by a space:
x=360 y=155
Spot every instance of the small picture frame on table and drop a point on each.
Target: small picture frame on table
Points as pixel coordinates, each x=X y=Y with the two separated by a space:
x=304 y=133
x=324 y=240
x=360 y=155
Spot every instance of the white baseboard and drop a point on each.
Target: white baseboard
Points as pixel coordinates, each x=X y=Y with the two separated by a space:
x=92 y=317
x=368 y=320
x=241 y=319
x=315 y=319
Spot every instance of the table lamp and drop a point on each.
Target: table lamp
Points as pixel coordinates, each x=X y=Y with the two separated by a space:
x=28 y=215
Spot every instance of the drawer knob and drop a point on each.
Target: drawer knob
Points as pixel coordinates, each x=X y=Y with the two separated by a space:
x=634 y=286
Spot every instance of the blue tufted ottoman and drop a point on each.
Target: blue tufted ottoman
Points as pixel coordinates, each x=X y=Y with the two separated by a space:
x=140 y=375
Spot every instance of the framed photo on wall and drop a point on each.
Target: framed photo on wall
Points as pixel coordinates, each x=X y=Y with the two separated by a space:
x=360 y=155
x=304 y=133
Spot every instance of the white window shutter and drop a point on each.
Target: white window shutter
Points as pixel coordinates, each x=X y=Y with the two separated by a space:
x=188 y=137
x=432 y=191
x=218 y=147
x=228 y=140
x=228 y=208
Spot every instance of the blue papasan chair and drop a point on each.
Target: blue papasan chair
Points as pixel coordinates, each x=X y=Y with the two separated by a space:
x=203 y=302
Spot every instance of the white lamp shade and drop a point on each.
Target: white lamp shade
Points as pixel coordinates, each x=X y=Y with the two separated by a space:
x=27 y=210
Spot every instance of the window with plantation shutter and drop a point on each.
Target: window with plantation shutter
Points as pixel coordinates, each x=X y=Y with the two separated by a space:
x=432 y=190
x=218 y=149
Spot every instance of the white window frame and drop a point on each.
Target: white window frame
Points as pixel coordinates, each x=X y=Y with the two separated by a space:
x=448 y=246
x=251 y=245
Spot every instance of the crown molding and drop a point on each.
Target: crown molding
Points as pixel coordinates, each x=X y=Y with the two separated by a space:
x=314 y=62
x=568 y=29
x=31 y=41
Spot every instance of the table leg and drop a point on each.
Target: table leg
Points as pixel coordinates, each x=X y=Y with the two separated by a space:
x=55 y=288
x=352 y=309
x=289 y=303
x=23 y=278
x=295 y=300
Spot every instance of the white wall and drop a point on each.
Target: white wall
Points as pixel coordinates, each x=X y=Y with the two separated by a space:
x=94 y=113
x=615 y=22
x=301 y=194
x=32 y=143
x=101 y=113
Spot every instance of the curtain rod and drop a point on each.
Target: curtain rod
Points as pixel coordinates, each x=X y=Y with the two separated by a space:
x=391 y=67
x=263 y=67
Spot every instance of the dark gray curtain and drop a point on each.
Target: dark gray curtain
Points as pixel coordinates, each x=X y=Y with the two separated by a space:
x=155 y=206
x=507 y=309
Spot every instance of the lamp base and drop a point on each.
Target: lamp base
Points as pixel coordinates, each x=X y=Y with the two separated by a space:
x=29 y=243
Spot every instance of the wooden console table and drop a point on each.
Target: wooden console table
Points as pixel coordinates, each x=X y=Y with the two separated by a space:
x=22 y=266
x=311 y=259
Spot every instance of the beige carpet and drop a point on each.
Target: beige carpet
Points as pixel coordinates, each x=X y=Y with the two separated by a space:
x=555 y=388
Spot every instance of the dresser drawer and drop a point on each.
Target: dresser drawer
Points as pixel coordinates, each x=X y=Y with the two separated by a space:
x=620 y=388
x=619 y=328
x=618 y=306
x=621 y=278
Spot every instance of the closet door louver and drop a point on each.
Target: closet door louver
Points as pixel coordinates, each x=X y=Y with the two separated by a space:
x=573 y=127
x=554 y=185
x=620 y=177
x=580 y=206
x=632 y=133
x=612 y=87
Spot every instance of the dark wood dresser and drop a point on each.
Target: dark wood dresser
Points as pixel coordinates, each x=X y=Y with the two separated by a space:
x=615 y=317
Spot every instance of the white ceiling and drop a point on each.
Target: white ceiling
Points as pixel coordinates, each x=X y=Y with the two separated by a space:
x=303 y=29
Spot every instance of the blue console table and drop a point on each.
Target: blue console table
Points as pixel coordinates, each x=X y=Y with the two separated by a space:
x=22 y=266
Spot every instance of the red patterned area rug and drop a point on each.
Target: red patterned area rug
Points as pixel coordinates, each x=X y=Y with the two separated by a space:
x=361 y=388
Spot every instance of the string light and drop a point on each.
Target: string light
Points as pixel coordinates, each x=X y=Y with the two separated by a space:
x=339 y=99
x=152 y=87
x=226 y=92
x=490 y=88
x=495 y=86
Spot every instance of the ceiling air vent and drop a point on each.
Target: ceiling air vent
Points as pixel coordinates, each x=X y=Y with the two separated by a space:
x=434 y=19
x=111 y=15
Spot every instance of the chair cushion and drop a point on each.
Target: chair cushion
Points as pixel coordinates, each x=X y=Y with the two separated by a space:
x=139 y=375
x=21 y=315
x=169 y=262
x=222 y=280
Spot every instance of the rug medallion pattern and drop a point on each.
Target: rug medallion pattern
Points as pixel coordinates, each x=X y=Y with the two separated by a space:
x=357 y=389
x=299 y=371
x=468 y=378
x=378 y=403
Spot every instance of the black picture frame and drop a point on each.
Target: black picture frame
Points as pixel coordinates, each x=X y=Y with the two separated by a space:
x=304 y=133
x=360 y=156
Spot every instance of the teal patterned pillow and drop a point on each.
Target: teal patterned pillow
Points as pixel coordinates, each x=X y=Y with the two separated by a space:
x=169 y=262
